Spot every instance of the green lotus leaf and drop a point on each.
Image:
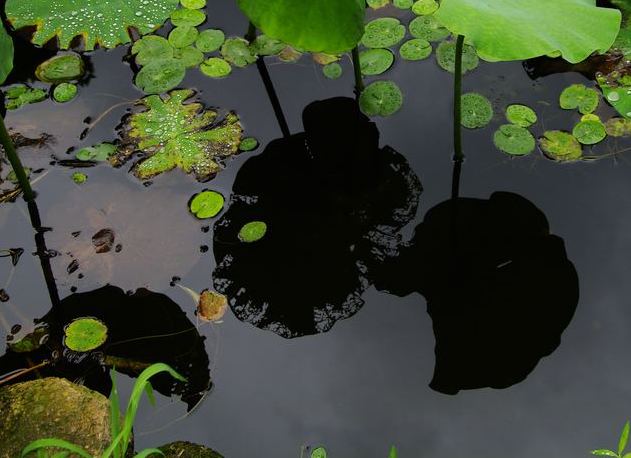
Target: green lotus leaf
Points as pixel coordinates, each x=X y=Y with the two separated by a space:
x=189 y=56
x=514 y=140
x=85 y=334
x=403 y=4
x=183 y=36
x=267 y=46
x=623 y=40
x=428 y=28
x=6 y=54
x=477 y=111
x=518 y=30
x=160 y=76
x=332 y=71
x=376 y=4
x=375 y=61
x=174 y=134
x=618 y=127
x=207 y=204
x=446 y=57
x=383 y=33
x=193 y=4
x=60 y=69
x=249 y=144
x=521 y=115
x=579 y=96
x=237 y=52
x=560 y=146
x=79 y=177
x=253 y=231
x=215 y=67
x=105 y=23
x=17 y=96
x=64 y=92
x=150 y=48
x=191 y=18
x=424 y=7
x=589 y=132
x=332 y=26
x=100 y=152
x=381 y=98
x=210 y=40
x=415 y=49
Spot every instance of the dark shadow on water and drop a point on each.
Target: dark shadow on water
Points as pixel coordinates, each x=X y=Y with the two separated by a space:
x=500 y=289
x=334 y=203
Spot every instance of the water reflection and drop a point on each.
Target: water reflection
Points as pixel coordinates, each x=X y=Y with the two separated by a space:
x=499 y=287
x=334 y=203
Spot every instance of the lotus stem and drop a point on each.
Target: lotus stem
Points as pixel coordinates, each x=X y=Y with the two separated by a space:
x=359 y=82
x=458 y=154
x=16 y=164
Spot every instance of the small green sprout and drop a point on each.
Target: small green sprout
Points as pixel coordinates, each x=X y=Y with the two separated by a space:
x=622 y=445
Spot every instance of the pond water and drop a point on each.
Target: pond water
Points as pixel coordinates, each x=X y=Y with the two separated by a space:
x=507 y=380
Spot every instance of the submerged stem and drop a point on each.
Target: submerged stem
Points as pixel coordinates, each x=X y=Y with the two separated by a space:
x=16 y=164
x=359 y=82
x=458 y=154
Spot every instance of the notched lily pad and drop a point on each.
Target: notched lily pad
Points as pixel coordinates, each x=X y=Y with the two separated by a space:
x=375 y=61
x=446 y=57
x=581 y=97
x=189 y=56
x=428 y=28
x=267 y=46
x=160 y=76
x=64 y=92
x=61 y=69
x=183 y=36
x=187 y=17
x=207 y=204
x=237 y=52
x=477 y=110
x=210 y=40
x=100 y=152
x=253 y=231
x=589 y=132
x=424 y=7
x=416 y=49
x=332 y=71
x=514 y=140
x=560 y=146
x=174 y=134
x=150 y=48
x=381 y=98
x=19 y=95
x=215 y=67
x=85 y=334
x=383 y=33
x=521 y=115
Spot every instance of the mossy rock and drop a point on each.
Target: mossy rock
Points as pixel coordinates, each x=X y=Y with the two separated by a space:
x=51 y=407
x=181 y=449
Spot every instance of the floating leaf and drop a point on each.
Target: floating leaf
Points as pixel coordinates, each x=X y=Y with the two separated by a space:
x=267 y=46
x=253 y=231
x=64 y=92
x=237 y=52
x=210 y=40
x=160 y=76
x=6 y=54
x=514 y=140
x=521 y=115
x=100 y=152
x=428 y=28
x=79 y=177
x=99 y=22
x=424 y=7
x=183 y=36
x=17 y=96
x=477 y=110
x=187 y=17
x=212 y=306
x=85 y=334
x=324 y=58
x=403 y=4
x=375 y=61
x=150 y=48
x=289 y=54
x=616 y=88
x=318 y=452
x=416 y=49
x=618 y=127
x=215 y=67
x=193 y=4
x=174 y=134
x=383 y=33
x=332 y=71
x=381 y=98
x=446 y=57
x=189 y=56
x=331 y=26
x=376 y=4
x=560 y=146
x=206 y=204
x=60 y=69
x=31 y=341
x=589 y=132
x=249 y=144
x=511 y=30
x=579 y=96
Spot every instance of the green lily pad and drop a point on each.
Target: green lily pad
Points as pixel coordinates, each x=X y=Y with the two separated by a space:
x=510 y=30
x=79 y=177
x=375 y=61
x=381 y=98
x=579 y=96
x=215 y=67
x=100 y=152
x=85 y=334
x=65 y=92
x=189 y=56
x=210 y=40
x=323 y=58
x=31 y=341
x=617 y=92
x=403 y=4
x=560 y=146
x=237 y=52
x=183 y=36
x=193 y=4
x=377 y=4
x=253 y=231
x=207 y=204
x=589 y=132
x=477 y=111
x=416 y=49
x=19 y=95
x=318 y=452
x=97 y=21
x=383 y=33
x=6 y=54
x=521 y=115
x=160 y=76
x=446 y=57
x=173 y=134
x=618 y=127
x=249 y=144
x=187 y=17
x=267 y=46
x=60 y=69
x=332 y=71
x=514 y=140
x=424 y=7
x=428 y=28
x=150 y=48
x=331 y=26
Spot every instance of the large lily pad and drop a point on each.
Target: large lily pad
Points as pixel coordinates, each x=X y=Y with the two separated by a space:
x=6 y=54
x=105 y=23
x=331 y=26
x=517 y=30
x=172 y=133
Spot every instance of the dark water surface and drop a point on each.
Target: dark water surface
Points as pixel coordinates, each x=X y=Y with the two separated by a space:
x=364 y=384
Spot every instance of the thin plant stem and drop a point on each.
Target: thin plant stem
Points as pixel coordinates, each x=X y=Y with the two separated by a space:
x=458 y=154
x=359 y=82
x=16 y=164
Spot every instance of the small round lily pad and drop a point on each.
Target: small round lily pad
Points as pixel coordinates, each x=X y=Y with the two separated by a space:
x=477 y=110
x=383 y=33
x=428 y=28
x=215 y=67
x=264 y=45
x=206 y=204
x=249 y=144
x=618 y=127
x=151 y=47
x=318 y=452
x=332 y=71
x=375 y=61
x=79 y=177
x=160 y=76
x=376 y=4
x=416 y=49
x=193 y=4
x=85 y=334
x=403 y=4
x=210 y=40
x=188 y=17
x=237 y=52
x=64 y=92
x=589 y=132
x=100 y=152
x=579 y=96
x=514 y=140
x=252 y=231
x=381 y=98
x=61 y=69
x=189 y=56
x=446 y=57
x=183 y=36
x=521 y=115
x=424 y=7
x=560 y=146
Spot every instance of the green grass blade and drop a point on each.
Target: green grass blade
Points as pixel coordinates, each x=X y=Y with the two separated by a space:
x=150 y=396
x=624 y=438
x=393 y=452
x=114 y=410
x=149 y=451
x=58 y=443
